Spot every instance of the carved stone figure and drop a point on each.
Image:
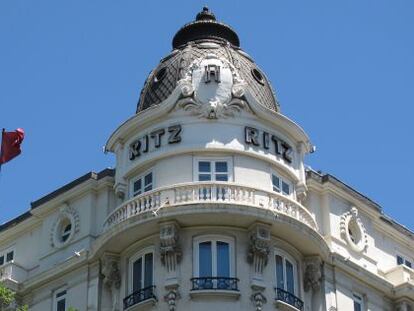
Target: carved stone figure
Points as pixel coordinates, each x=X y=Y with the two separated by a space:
x=169 y=249
x=259 y=300
x=112 y=277
x=171 y=298
x=259 y=249
x=313 y=273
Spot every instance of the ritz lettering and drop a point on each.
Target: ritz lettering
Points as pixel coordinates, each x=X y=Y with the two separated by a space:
x=267 y=141
x=156 y=139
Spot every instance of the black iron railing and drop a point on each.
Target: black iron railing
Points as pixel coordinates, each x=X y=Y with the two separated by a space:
x=216 y=283
x=139 y=296
x=289 y=298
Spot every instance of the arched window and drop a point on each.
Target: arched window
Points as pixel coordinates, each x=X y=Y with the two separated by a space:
x=214 y=263
x=287 y=279
x=141 y=281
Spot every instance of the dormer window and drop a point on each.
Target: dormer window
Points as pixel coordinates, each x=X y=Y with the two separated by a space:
x=404 y=261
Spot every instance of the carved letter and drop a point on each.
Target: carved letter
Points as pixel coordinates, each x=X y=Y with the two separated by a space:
x=175 y=134
x=251 y=136
x=266 y=140
x=146 y=144
x=134 y=150
x=156 y=135
x=287 y=152
x=278 y=144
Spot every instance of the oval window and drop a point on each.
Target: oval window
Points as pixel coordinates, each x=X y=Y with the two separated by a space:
x=257 y=75
x=160 y=75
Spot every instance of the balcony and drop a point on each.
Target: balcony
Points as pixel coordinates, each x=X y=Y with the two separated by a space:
x=209 y=193
x=140 y=297
x=215 y=283
x=12 y=274
x=287 y=301
x=217 y=287
x=399 y=275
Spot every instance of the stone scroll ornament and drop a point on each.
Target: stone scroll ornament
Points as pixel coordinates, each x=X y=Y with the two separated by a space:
x=353 y=231
x=212 y=88
x=112 y=278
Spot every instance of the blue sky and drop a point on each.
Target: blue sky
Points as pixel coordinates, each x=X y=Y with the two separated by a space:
x=71 y=72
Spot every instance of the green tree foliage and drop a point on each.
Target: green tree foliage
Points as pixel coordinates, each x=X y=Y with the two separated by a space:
x=7 y=297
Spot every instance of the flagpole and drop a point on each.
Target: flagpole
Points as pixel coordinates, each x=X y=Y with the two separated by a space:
x=2 y=134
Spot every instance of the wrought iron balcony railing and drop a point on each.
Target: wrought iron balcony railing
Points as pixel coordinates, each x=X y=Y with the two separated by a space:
x=139 y=296
x=209 y=193
x=215 y=283
x=289 y=298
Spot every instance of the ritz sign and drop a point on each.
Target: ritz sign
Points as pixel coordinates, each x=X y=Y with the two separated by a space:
x=172 y=135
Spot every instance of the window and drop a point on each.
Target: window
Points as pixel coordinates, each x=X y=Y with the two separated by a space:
x=358 y=305
x=286 y=272
x=142 y=271
x=1 y=260
x=142 y=184
x=281 y=185
x=60 y=300
x=404 y=261
x=214 y=263
x=213 y=170
x=10 y=256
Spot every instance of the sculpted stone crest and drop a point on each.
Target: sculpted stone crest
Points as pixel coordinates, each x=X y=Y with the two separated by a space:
x=353 y=231
x=212 y=88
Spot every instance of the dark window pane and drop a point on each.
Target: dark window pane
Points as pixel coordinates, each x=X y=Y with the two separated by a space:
x=1 y=260
x=204 y=166
x=205 y=260
x=148 y=179
x=9 y=256
x=137 y=275
x=290 y=281
x=408 y=264
x=204 y=177
x=285 y=188
x=400 y=260
x=148 y=270
x=61 y=305
x=221 y=167
x=279 y=272
x=223 y=259
x=276 y=183
x=222 y=177
x=137 y=186
x=357 y=306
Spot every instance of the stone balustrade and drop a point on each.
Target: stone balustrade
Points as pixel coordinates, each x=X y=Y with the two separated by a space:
x=12 y=272
x=209 y=193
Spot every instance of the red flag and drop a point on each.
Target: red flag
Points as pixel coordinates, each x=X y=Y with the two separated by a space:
x=10 y=144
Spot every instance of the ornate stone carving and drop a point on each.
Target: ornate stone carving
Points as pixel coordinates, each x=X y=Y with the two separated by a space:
x=259 y=249
x=259 y=300
x=170 y=250
x=171 y=297
x=353 y=231
x=212 y=88
x=112 y=277
x=313 y=273
x=67 y=215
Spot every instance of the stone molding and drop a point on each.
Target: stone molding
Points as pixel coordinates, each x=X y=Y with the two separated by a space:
x=351 y=218
x=71 y=214
x=259 y=248
x=170 y=250
x=171 y=297
x=258 y=300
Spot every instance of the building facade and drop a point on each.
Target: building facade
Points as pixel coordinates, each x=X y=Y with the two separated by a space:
x=210 y=207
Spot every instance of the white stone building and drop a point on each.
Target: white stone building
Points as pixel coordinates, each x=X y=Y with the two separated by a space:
x=210 y=207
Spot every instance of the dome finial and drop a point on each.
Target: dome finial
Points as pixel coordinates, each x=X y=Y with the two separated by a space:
x=205 y=14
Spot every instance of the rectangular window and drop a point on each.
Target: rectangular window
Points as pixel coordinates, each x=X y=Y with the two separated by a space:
x=1 y=260
x=404 y=261
x=213 y=170
x=357 y=302
x=9 y=256
x=286 y=272
x=142 y=184
x=280 y=185
x=60 y=300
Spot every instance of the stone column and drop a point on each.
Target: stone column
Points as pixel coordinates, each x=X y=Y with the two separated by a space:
x=112 y=278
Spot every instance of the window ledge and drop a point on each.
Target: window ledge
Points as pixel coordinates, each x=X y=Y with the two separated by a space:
x=227 y=294
x=143 y=305
x=283 y=306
